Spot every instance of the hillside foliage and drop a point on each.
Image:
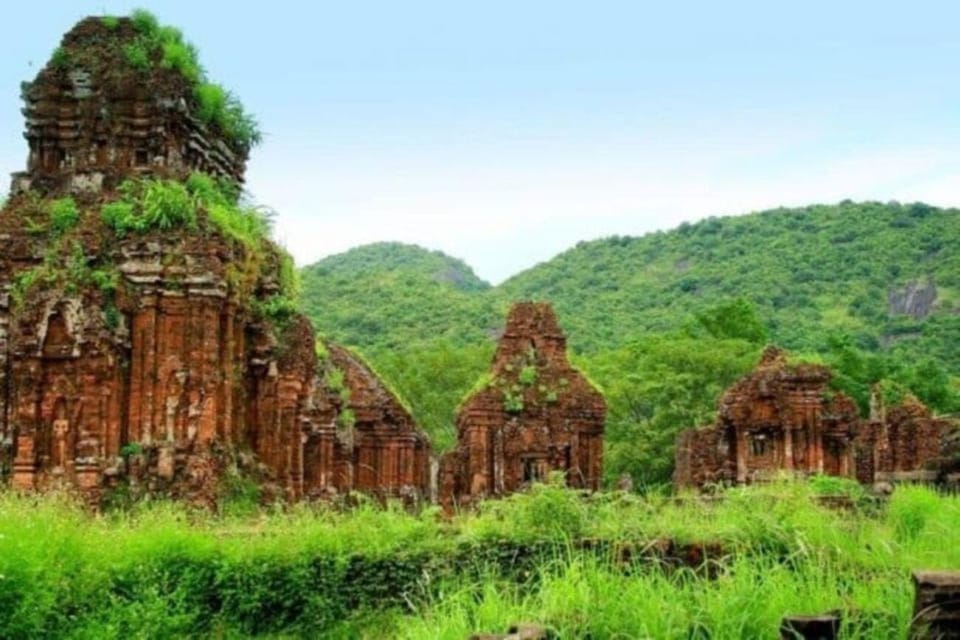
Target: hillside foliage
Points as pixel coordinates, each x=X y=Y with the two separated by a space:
x=389 y=295
x=666 y=321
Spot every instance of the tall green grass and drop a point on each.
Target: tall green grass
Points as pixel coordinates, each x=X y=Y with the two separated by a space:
x=163 y=570
x=585 y=598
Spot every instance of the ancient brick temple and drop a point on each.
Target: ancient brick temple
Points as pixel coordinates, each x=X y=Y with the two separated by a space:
x=146 y=357
x=903 y=441
x=535 y=414
x=784 y=417
x=376 y=446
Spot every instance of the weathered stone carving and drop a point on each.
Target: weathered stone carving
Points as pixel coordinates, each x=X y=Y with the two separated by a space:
x=784 y=417
x=534 y=415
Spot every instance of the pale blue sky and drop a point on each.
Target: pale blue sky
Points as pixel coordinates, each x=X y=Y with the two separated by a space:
x=505 y=132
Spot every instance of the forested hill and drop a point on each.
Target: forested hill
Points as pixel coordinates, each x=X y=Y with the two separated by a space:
x=882 y=274
x=666 y=321
x=390 y=294
x=809 y=271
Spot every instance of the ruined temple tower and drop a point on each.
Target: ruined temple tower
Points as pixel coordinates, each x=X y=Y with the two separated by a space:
x=146 y=335
x=534 y=415
x=94 y=118
x=783 y=417
x=146 y=356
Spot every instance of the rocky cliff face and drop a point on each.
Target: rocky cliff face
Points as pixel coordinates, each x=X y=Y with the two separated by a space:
x=147 y=338
x=535 y=414
x=784 y=417
x=915 y=299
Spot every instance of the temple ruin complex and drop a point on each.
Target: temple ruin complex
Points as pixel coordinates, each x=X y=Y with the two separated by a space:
x=784 y=417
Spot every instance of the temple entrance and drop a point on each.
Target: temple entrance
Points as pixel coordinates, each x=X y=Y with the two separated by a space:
x=764 y=451
x=535 y=469
x=834 y=457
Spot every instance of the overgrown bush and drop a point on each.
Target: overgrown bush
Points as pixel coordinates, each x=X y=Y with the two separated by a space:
x=164 y=204
x=837 y=486
x=239 y=495
x=150 y=204
x=911 y=510
x=64 y=215
x=167 y=204
x=137 y=55
x=215 y=105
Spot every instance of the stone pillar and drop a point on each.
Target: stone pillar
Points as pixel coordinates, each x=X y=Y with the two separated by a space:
x=87 y=476
x=25 y=464
x=410 y=463
x=816 y=450
x=936 y=605
x=143 y=329
x=499 y=460
x=845 y=460
x=166 y=461
x=479 y=459
x=364 y=467
x=388 y=471
x=295 y=465
x=741 y=439
x=225 y=414
x=4 y=389
x=109 y=410
x=209 y=363
x=788 y=448
x=591 y=473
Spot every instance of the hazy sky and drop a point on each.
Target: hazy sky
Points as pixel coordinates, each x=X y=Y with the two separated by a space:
x=505 y=132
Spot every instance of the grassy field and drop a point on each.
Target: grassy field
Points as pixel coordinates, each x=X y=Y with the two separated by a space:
x=165 y=571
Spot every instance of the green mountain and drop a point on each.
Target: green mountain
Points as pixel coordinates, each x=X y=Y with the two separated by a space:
x=388 y=295
x=848 y=268
x=809 y=271
x=663 y=322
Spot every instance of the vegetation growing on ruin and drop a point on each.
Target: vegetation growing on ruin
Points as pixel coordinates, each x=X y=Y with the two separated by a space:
x=161 y=570
x=665 y=322
x=335 y=380
x=164 y=45
x=202 y=202
x=520 y=381
x=158 y=46
x=72 y=264
x=66 y=265
x=64 y=215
